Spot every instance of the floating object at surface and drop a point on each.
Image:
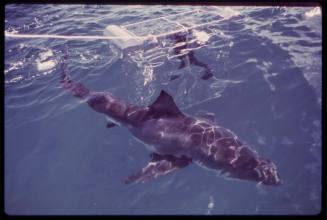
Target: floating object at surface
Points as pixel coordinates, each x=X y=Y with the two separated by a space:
x=155 y=29
x=157 y=38
x=128 y=36
x=148 y=31
x=201 y=36
x=46 y=65
x=129 y=40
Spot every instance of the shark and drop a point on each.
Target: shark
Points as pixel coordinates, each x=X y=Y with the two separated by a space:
x=176 y=139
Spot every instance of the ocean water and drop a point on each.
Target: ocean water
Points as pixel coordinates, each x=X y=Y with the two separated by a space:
x=266 y=87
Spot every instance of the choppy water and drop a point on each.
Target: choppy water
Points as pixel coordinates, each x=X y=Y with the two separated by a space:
x=60 y=158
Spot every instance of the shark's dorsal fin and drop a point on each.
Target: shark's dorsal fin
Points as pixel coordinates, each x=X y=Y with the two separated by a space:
x=164 y=106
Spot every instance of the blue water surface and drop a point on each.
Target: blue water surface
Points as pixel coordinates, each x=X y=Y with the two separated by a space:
x=61 y=159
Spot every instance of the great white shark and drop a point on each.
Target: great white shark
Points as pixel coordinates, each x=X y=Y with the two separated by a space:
x=176 y=139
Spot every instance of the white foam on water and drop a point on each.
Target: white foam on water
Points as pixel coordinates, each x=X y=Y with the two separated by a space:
x=88 y=56
x=313 y=12
x=227 y=12
x=148 y=74
x=46 y=65
x=14 y=66
x=201 y=36
x=11 y=30
x=211 y=204
x=16 y=79
x=45 y=55
x=43 y=63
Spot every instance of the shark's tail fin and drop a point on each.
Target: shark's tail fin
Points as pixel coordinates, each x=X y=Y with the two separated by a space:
x=77 y=89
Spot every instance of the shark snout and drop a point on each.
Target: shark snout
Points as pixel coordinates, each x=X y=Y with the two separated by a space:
x=268 y=173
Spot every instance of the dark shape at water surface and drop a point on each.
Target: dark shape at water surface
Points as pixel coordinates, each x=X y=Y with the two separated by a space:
x=176 y=139
x=181 y=38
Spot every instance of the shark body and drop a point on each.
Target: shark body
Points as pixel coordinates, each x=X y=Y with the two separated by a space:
x=176 y=139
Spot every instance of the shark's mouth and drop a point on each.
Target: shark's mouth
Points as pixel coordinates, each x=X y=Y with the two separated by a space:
x=267 y=173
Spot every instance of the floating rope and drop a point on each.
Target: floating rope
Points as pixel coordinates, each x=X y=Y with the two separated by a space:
x=75 y=37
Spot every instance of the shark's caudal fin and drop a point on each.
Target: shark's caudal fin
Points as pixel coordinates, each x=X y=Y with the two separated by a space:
x=164 y=106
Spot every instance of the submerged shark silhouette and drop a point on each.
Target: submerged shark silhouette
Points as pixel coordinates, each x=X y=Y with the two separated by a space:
x=177 y=139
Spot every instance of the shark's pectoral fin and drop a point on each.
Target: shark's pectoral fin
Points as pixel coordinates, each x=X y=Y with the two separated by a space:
x=158 y=166
x=110 y=125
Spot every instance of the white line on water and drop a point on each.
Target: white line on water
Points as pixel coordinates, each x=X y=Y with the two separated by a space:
x=75 y=37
